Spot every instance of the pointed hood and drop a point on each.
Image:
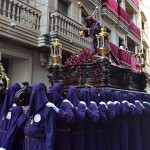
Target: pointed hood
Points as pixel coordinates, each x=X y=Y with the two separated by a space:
x=123 y=96
x=8 y=101
x=38 y=98
x=85 y=96
x=147 y=98
x=108 y=95
x=72 y=95
x=56 y=94
x=117 y=96
x=94 y=95
x=130 y=97
x=139 y=96
x=102 y=111
x=102 y=95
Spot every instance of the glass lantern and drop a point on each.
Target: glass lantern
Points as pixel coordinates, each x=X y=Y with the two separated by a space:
x=56 y=53
x=140 y=62
x=103 y=43
x=4 y=80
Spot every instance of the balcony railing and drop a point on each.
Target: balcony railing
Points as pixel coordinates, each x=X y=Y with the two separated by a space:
x=112 y=5
x=124 y=57
x=123 y=15
x=21 y=13
x=67 y=28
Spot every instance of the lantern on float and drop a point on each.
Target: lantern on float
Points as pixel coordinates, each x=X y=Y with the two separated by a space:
x=140 y=62
x=103 y=43
x=56 y=53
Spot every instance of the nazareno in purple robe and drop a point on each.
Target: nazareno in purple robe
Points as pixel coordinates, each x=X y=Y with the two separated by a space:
x=124 y=111
x=65 y=118
x=144 y=124
x=39 y=123
x=91 y=117
x=99 y=130
x=105 y=98
x=111 y=117
x=133 y=124
x=94 y=95
x=100 y=127
x=9 y=131
x=115 y=140
x=77 y=128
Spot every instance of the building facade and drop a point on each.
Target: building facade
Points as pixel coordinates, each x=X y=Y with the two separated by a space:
x=29 y=27
x=145 y=38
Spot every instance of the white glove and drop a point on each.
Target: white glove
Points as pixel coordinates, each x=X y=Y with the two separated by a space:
x=82 y=102
x=66 y=100
x=124 y=101
x=49 y=104
x=138 y=102
x=92 y=102
x=2 y=148
x=103 y=103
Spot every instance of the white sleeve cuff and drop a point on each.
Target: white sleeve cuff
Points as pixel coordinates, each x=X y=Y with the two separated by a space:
x=2 y=148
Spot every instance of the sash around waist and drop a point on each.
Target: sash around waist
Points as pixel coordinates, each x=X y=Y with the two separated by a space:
x=34 y=139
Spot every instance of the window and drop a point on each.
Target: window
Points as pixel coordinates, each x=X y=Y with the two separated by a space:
x=83 y=21
x=63 y=7
x=121 y=41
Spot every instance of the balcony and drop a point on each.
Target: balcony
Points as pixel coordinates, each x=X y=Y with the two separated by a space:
x=135 y=34
x=131 y=7
x=67 y=30
x=19 y=22
x=95 y=2
x=109 y=11
x=145 y=39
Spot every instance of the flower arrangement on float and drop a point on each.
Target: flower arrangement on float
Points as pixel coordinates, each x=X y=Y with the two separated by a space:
x=84 y=56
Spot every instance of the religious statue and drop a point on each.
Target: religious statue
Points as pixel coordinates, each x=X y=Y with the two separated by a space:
x=92 y=27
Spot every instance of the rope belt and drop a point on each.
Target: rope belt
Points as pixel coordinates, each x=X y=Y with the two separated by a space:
x=99 y=131
x=33 y=139
x=79 y=132
x=3 y=131
x=63 y=130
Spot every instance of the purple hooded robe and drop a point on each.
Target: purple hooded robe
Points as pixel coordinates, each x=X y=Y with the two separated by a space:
x=144 y=124
x=91 y=117
x=39 y=123
x=77 y=128
x=65 y=118
x=133 y=124
x=8 y=120
x=124 y=122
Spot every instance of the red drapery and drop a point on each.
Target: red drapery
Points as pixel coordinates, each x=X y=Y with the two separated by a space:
x=112 y=5
x=115 y=49
x=124 y=57
x=136 y=2
x=135 y=30
x=124 y=16
x=133 y=64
